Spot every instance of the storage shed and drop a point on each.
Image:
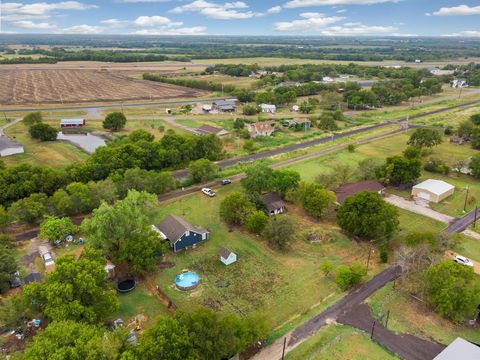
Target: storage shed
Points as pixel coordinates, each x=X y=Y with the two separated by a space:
x=68 y=123
x=227 y=257
x=433 y=190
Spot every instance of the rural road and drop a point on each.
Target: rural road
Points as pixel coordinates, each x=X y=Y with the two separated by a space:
x=461 y=224
x=301 y=333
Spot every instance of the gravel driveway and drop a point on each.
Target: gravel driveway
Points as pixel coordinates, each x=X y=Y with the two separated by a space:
x=418 y=209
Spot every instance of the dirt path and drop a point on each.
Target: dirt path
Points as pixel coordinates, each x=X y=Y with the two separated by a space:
x=407 y=347
x=301 y=333
x=418 y=209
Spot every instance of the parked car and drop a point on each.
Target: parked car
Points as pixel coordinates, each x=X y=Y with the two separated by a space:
x=226 y=181
x=208 y=192
x=462 y=260
x=15 y=280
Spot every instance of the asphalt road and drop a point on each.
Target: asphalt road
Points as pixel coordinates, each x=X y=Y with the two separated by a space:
x=459 y=225
x=345 y=304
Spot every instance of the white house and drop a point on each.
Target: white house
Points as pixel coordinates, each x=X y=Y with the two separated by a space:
x=268 y=108
x=227 y=257
x=459 y=83
x=9 y=147
x=433 y=190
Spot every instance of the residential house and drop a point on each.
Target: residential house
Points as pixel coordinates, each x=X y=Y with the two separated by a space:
x=226 y=256
x=460 y=349
x=68 y=123
x=268 y=108
x=263 y=128
x=209 y=130
x=346 y=190
x=180 y=234
x=459 y=83
x=9 y=147
x=433 y=190
x=274 y=203
x=228 y=105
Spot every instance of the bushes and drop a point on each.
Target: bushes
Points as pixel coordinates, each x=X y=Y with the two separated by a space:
x=280 y=232
x=235 y=209
x=43 y=132
x=349 y=276
x=192 y=83
x=256 y=222
x=437 y=166
x=114 y=121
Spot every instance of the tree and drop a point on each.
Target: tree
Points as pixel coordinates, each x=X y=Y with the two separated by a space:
x=153 y=182
x=475 y=119
x=141 y=135
x=115 y=121
x=80 y=198
x=475 y=166
x=249 y=146
x=284 y=181
x=348 y=276
x=43 y=132
x=14 y=312
x=417 y=238
x=259 y=179
x=452 y=290
x=256 y=222
x=75 y=290
x=326 y=267
x=250 y=110
x=318 y=202
x=4 y=216
x=475 y=138
x=167 y=339
x=368 y=216
x=55 y=229
x=465 y=129
x=236 y=208
x=306 y=107
x=327 y=121
x=30 y=208
x=202 y=170
x=412 y=152
x=71 y=340
x=8 y=260
x=32 y=118
x=340 y=174
x=425 y=138
x=400 y=170
x=367 y=168
x=280 y=232
x=124 y=232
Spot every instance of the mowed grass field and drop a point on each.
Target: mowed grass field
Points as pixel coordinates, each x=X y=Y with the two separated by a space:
x=281 y=286
x=339 y=342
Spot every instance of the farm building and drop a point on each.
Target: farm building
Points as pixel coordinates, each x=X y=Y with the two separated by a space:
x=433 y=190
x=180 y=233
x=227 y=257
x=209 y=130
x=264 y=128
x=68 y=123
x=346 y=190
x=9 y=147
x=274 y=203
x=229 y=105
x=268 y=108
x=459 y=349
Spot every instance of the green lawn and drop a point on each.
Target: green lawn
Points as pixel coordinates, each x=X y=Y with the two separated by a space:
x=339 y=342
x=281 y=286
x=410 y=316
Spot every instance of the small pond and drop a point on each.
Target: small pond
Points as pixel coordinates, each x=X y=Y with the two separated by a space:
x=84 y=140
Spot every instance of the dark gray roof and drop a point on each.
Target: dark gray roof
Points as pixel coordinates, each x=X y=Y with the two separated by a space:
x=33 y=277
x=6 y=143
x=173 y=227
x=273 y=201
x=227 y=102
x=224 y=253
x=460 y=349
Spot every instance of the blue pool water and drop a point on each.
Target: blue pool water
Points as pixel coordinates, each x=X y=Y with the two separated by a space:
x=187 y=280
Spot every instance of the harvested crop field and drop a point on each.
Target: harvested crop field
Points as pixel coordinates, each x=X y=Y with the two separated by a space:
x=24 y=86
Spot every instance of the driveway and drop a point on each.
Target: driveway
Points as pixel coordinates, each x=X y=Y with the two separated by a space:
x=476 y=265
x=7 y=125
x=418 y=209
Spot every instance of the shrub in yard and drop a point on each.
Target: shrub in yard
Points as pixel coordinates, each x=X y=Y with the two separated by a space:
x=348 y=276
x=32 y=118
x=279 y=232
x=249 y=146
x=236 y=208
x=115 y=121
x=250 y=110
x=43 y=132
x=256 y=222
x=351 y=148
x=326 y=267
x=383 y=254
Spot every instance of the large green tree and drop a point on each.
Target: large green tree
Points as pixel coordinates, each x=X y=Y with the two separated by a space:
x=280 y=232
x=425 y=138
x=30 y=208
x=400 y=170
x=368 y=216
x=75 y=290
x=8 y=261
x=202 y=170
x=452 y=290
x=318 y=202
x=475 y=166
x=124 y=231
x=43 y=132
x=32 y=118
x=236 y=208
x=55 y=229
x=115 y=121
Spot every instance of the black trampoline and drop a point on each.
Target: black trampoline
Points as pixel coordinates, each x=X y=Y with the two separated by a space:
x=126 y=285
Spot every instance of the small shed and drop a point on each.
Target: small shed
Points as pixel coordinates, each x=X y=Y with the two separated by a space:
x=68 y=123
x=274 y=203
x=433 y=190
x=9 y=147
x=268 y=108
x=32 y=277
x=227 y=257
x=110 y=270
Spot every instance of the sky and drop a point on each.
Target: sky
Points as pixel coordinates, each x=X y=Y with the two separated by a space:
x=459 y=18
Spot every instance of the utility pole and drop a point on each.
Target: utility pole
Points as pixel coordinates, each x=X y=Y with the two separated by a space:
x=369 y=255
x=466 y=199
x=284 y=344
x=475 y=217
x=373 y=329
x=386 y=321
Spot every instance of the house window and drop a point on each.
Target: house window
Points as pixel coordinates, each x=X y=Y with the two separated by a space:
x=204 y=236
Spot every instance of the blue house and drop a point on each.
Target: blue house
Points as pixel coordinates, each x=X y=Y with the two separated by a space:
x=180 y=233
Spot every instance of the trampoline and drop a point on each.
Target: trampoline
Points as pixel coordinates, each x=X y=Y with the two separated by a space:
x=126 y=285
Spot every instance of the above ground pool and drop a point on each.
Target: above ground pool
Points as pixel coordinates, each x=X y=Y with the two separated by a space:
x=187 y=281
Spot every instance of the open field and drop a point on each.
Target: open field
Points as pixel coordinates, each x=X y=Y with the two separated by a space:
x=339 y=342
x=76 y=86
x=277 y=285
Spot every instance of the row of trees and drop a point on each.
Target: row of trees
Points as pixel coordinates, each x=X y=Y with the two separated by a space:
x=192 y=83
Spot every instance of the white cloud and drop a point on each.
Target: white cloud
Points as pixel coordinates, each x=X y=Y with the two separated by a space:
x=28 y=24
x=14 y=12
x=225 y=11
x=466 y=33
x=310 y=3
x=82 y=29
x=311 y=22
x=341 y=11
x=405 y=35
x=142 y=1
x=196 y=30
x=154 y=25
x=274 y=10
x=457 y=11
x=151 y=21
x=357 y=29
x=114 y=23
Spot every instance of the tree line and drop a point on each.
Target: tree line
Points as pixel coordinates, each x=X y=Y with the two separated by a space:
x=192 y=83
